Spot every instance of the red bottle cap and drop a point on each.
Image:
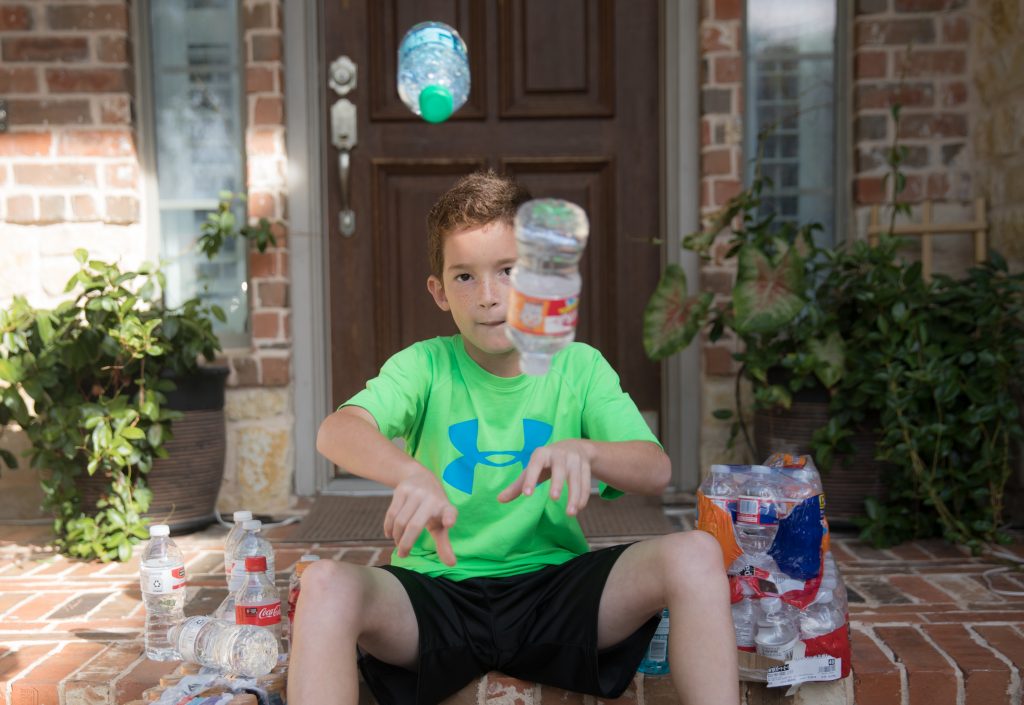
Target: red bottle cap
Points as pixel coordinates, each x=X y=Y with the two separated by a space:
x=255 y=564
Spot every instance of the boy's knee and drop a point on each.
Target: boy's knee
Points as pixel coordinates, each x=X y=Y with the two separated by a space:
x=326 y=580
x=694 y=555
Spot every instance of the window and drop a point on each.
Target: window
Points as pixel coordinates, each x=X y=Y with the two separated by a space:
x=195 y=90
x=790 y=94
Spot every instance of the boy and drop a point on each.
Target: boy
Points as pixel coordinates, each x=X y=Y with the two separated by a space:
x=491 y=570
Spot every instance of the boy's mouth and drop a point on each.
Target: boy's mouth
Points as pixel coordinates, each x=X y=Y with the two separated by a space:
x=492 y=324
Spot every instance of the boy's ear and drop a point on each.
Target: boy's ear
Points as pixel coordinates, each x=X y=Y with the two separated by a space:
x=436 y=288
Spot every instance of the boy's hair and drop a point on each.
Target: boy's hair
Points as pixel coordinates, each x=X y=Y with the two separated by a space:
x=476 y=199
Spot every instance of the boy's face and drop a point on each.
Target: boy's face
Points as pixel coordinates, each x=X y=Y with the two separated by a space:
x=474 y=286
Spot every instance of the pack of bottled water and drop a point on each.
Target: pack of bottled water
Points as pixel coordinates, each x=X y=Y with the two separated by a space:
x=788 y=599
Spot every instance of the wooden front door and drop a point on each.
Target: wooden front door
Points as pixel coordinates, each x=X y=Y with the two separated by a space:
x=565 y=96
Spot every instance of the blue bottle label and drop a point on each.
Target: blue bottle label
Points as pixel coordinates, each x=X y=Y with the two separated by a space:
x=431 y=35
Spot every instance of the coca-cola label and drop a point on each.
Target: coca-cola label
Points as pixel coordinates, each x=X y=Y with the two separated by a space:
x=539 y=316
x=264 y=615
x=163 y=580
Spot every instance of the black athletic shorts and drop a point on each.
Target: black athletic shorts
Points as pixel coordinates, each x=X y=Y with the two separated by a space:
x=539 y=627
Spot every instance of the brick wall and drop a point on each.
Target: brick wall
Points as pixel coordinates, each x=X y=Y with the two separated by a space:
x=914 y=51
x=998 y=62
x=70 y=177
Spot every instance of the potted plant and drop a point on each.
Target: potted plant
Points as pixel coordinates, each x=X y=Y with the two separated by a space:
x=91 y=382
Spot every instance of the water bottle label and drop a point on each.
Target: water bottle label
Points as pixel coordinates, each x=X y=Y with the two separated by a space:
x=264 y=615
x=187 y=637
x=801 y=670
x=538 y=316
x=430 y=35
x=163 y=580
x=755 y=510
x=779 y=652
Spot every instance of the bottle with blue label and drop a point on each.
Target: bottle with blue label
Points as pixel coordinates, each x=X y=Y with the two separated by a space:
x=433 y=71
x=757 y=512
x=655 y=661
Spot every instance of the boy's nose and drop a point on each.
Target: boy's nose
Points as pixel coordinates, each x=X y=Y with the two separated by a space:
x=490 y=295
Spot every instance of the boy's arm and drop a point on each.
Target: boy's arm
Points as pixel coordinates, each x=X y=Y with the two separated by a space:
x=640 y=467
x=351 y=438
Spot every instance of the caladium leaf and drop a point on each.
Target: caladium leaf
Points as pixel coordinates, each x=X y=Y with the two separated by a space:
x=830 y=356
x=768 y=294
x=672 y=318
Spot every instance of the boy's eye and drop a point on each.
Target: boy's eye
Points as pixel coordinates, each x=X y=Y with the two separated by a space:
x=464 y=277
x=507 y=271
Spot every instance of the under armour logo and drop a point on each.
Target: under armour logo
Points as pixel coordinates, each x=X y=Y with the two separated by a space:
x=459 y=473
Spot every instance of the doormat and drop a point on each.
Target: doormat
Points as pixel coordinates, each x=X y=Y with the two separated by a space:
x=339 y=519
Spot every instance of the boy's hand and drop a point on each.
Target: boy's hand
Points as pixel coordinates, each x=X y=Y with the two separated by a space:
x=565 y=462
x=420 y=503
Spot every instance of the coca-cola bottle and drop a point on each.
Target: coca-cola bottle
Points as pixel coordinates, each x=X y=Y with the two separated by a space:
x=258 y=602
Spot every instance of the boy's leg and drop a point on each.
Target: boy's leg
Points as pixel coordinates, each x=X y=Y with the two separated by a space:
x=685 y=573
x=341 y=605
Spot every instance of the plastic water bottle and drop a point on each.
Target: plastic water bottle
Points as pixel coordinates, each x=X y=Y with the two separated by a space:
x=294 y=587
x=162 y=581
x=232 y=539
x=655 y=662
x=433 y=71
x=776 y=631
x=543 y=304
x=237 y=649
x=744 y=619
x=757 y=518
x=250 y=544
x=258 y=602
x=722 y=489
x=821 y=616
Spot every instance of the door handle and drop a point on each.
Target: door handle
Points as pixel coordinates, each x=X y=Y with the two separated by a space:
x=343 y=135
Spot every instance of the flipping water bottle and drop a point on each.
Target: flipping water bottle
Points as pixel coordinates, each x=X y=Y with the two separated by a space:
x=238 y=649
x=433 y=71
x=162 y=581
x=544 y=300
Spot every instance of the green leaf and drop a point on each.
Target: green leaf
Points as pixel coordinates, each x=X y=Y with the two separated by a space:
x=767 y=295
x=671 y=317
x=81 y=255
x=133 y=433
x=722 y=414
x=8 y=458
x=830 y=359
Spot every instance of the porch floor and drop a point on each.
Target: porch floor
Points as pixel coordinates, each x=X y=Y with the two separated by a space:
x=927 y=625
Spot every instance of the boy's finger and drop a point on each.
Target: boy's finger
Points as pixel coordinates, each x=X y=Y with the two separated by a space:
x=389 y=518
x=449 y=516
x=413 y=528
x=558 y=477
x=584 y=486
x=514 y=489
x=444 y=545
x=531 y=474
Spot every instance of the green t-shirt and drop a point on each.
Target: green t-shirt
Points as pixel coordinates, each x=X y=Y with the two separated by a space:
x=476 y=432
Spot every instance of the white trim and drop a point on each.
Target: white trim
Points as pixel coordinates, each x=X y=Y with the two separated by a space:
x=308 y=246
x=149 y=208
x=681 y=389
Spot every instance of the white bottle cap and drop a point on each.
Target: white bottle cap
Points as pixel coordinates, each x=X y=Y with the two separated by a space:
x=159 y=530
x=717 y=467
x=306 y=557
x=242 y=515
x=252 y=525
x=771 y=604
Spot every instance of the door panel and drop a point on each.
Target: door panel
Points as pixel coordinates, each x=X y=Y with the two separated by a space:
x=565 y=96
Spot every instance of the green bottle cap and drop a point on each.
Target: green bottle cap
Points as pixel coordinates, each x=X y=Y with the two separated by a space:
x=435 y=103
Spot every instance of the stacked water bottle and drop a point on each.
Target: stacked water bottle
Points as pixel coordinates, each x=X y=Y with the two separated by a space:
x=244 y=636
x=788 y=600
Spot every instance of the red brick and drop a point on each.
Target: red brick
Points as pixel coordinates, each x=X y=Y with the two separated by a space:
x=266 y=324
x=919 y=588
x=264 y=264
x=259 y=17
x=549 y=695
x=276 y=371
x=42 y=605
x=270 y=295
x=955 y=29
x=728 y=69
x=932 y=62
x=122 y=209
x=895 y=32
x=112 y=50
x=1006 y=641
x=909 y=95
x=88 y=80
x=55 y=174
x=953 y=94
x=25 y=144
x=266 y=47
x=910 y=552
x=18 y=80
x=46 y=49
x=121 y=175
x=20 y=209
x=727 y=9
x=40 y=684
x=246 y=371
x=84 y=208
x=49 y=112
x=922 y=5
x=97 y=143
x=259 y=80
x=869 y=189
x=718 y=361
x=51 y=210
x=930 y=677
x=876 y=679
x=718 y=38
x=967 y=617
x=938 y=186
x=268 y=111
x=716 y=162
x=724 y=189
x=986 y=678
x=112 y=16
x=115 y=110
x=144 y=675
x=13 y=663
x=15 y=17
x=870 y=64
x=261 y=205
x=10 y=599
